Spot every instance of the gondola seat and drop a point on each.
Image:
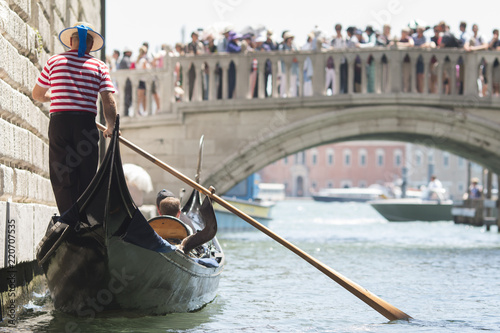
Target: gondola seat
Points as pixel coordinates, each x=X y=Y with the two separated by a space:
x=170 y=228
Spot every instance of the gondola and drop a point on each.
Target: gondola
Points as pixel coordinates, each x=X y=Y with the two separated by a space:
x=102 y=255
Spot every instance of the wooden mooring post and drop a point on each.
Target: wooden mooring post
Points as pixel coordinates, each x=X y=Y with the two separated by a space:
x=476 y=212
x=479 y=211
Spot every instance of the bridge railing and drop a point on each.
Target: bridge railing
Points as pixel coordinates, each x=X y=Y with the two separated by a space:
x=210 y=79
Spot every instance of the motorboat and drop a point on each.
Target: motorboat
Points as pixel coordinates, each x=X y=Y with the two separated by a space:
x=431 y=206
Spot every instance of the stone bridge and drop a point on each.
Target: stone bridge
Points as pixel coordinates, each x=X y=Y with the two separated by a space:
x=444 y=103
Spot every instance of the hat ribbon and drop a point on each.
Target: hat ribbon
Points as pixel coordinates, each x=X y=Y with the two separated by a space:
x=82 y=36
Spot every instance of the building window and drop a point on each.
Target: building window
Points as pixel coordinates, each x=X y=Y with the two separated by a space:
x=461 y=187
x=362 y=157
x=314 y=158
x=329 y=184
x=398 y=156
x=476 y=167
x=362 y=183
x=346 y=184
x=313 y=184
x=329 y=156
x=347 y=157
x=380 y=157
x=461 y=162
x=446 y=160
x=285 y=160
x=300 y=157
x=430 y=157
x=418 y=158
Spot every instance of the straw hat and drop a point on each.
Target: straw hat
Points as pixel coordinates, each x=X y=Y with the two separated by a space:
x=287 y=35
x=65 y=35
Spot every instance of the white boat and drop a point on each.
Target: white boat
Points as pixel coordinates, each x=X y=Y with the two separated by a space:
x=432 y=206
x=271 y=192
x=348 y=194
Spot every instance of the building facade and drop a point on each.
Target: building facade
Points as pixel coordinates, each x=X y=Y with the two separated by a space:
x=363 y=163
x=347 y=164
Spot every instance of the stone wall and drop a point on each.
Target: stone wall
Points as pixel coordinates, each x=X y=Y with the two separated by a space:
x=28 y=37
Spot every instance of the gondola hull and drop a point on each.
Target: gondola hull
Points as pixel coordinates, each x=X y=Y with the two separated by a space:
x=127 y=277
x=102 y=255
x=174 y=282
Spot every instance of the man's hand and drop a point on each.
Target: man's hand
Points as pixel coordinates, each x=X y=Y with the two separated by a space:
x=109 y=105
x=108 y=132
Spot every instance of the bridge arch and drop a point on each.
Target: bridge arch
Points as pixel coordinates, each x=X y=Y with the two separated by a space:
x=460 y=133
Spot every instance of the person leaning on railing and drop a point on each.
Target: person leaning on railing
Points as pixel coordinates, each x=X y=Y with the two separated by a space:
x=494 y=45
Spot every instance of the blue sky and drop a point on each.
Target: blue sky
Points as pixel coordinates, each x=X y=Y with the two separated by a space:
x=129 y=23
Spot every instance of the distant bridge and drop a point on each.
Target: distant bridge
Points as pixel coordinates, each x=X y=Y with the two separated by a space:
x=384 y=99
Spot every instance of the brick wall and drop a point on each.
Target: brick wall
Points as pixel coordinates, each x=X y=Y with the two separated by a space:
x=28 y=37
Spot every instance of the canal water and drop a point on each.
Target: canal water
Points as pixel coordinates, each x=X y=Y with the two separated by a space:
x=446 y=276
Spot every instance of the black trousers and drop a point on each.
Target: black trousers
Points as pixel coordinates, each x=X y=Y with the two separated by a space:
x=231 y=80
x=128 y=96
x=73 y=155
x=192 y=79
x=343 y=78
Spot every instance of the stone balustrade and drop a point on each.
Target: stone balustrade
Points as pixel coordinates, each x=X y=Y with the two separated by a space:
x=278 y=75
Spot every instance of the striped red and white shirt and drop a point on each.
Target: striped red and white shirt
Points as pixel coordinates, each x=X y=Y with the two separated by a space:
x=75 y=82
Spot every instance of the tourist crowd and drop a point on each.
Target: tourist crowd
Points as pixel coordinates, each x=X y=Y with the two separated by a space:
x=262 y=40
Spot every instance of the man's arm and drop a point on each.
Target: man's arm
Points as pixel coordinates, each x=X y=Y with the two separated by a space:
x=41 y=94
x=109 y=105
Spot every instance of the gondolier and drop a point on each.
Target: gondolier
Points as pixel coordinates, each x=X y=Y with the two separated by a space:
x=72 y=81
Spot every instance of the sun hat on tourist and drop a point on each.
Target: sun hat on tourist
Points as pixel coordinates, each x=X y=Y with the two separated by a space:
x=227 y=29
x=233 y=35
x=247 y=36
x=287 y=35
x=65 y=35
x=474 y=180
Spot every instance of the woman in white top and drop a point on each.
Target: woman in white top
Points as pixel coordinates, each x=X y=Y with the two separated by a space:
x=141 y=64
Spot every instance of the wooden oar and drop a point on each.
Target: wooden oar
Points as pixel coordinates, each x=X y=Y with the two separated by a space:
x=378 y=304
